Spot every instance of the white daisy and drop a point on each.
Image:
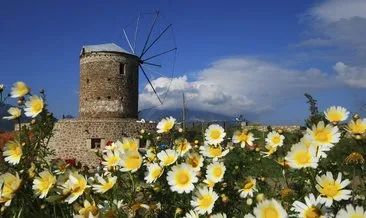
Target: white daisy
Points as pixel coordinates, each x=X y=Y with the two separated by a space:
x=131 y=161
x=195 y=161
x=249 y=187
x=309 y=142
x=214 y=152
x=182 y=146
x=19 y=89
x=112 y=159
x=165 y=125
x=219 y=215
x=215 y=172
x=13 y=152
x=214 y=134
x=103 y=185
x=324 y=135
x=331 y=189
x=311 y=208
x=181 y=178
x=203 y=200
x=33 y=106
x=352 y=212
x=243 y=137
x=192 y=214
x=274 y=139
x=269 y=209
x=167 y=157
x=301 y=157
x=14 y=112
x=336 y=114
x=43 y=183
x=153 y=173
x=357 y=127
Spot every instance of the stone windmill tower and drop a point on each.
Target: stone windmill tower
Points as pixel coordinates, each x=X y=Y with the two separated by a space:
x=108 y=98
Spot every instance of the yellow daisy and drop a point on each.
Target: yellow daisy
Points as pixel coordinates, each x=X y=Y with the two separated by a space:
x=195 y=161
x=43 y=183
x=10 y=184
x=214 y=152
x=90 y=210
x=352 y=212
x=203 y=200
x=181 y=178
x=336 y=114
x=274 y=139
x=14 y=112
x=34 y=106
x=130 y=144
x=243 y=137
x=311 y=208
x=167 y=157
x=13 y=152
x=153 y=173
x=332 y=189
x=182 y=146
x=269 y=209
x=103 y=185
x=112 y=159
x=131 y=161
x=249 y=187
x=357 y=127
x=214 y=134
x=19 y=89
x=215 y=172
x=301 y=157
x=324 y=135
x=165 y=125
x=74 y=187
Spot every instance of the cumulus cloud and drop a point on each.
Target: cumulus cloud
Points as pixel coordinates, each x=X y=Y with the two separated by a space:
x=237 y=85
x=352 y=76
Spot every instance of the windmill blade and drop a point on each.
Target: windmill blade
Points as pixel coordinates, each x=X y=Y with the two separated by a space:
x=154 y=71
x=157 y=38
x=150 y=83
x=156 y=65
x=151 y=29
x=162 y=53
x=135 y=37
x=128 y=41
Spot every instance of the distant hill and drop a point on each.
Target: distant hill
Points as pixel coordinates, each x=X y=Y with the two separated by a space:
x=8 y=125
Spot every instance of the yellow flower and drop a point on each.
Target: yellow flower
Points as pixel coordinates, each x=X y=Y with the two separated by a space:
x=243 y=137
x=195 y=161
x=214 y=134
x=131 y=161
x=270 y=150
x=269 y=209
x=13 y=152
x=90 y=210
x=181 y=178
x=103 y=185
x=301 y=157
x=215 y=172
x=43 y=183
x=324 y=135
x=14 y=112
x=336 y=114
x=182 y=146
x=74 y=187
x=112 y=159
x=214 y=152
x=274 y=139
x=165 y=125
x=332 y=189
x=355 y=158
x=19 y=89
x=249 y=188
x=357 y=127
x=10 y=184
x=130 y=144
x=167 y=157
x=34 y=106
x=311 y=208
x=154 y=172
x=203 y=200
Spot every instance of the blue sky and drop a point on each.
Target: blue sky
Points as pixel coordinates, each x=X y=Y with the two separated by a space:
x=255 y=58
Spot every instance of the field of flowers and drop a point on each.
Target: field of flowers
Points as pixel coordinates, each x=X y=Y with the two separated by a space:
x=318 y=172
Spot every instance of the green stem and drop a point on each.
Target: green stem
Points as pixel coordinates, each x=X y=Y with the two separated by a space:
x=133 y=186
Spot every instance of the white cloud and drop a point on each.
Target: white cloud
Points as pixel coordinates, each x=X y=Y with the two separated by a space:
x=352 y=76
x=237 y=85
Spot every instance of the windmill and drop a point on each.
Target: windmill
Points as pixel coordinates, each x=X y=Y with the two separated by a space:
x=151 y=38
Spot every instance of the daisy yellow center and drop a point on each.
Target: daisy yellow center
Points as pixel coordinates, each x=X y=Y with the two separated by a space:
x=182 y=146
x=215 y=134
x=89 y=210
x=133 y=162
x=206 y=201
x=335 y=116
x=17 y=151
x=45 y=184
x=322 y=135
x=313 y=212
x=167 y=126
x=217 y=172
x=108 y=185
x=330 y=189
x=243 y=137
x=193 y=161
x=37 y=106
x=79 y=187
x=113 y=160
x=182 y=178
x=215 y=152
x=302 y=157
x=357 y=128
x=270 y=212
x=169 y=160
x=249 y=185
x=155 y=173
x=357 y=216
x=21 y=89
x=276 y=139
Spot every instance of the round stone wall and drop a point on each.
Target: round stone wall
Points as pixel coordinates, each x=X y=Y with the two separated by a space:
x=108 y=85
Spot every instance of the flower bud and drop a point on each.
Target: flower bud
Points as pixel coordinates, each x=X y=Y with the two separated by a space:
x=2 y=87
x=279 y=131
x=249 y=201
x=358 y=137
x=195 y=141
x=20 y=102
x=259 y=197
x=33 y=121
x=178 y=211
x=142 y=131
x=356 y=117
x=180 y=130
